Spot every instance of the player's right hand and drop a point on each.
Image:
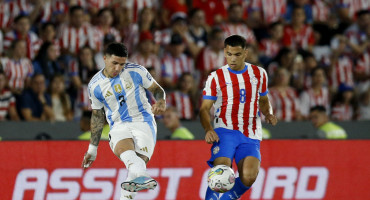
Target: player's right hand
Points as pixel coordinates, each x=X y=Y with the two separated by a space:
x=88 y=160
x=211 y=136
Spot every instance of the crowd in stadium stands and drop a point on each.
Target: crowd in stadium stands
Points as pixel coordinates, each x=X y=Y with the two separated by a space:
x=316 y=52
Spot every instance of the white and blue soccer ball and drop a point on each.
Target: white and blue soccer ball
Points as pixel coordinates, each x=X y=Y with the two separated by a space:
x=221 y=178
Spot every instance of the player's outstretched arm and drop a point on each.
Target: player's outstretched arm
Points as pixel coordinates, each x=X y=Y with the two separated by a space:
x=205 y=119
x=97 y=124
x=160 y=96
x=266 y=109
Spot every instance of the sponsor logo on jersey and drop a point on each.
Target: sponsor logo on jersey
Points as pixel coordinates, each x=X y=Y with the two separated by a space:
x=128 y=85
x=254 y=81
x=108 y=94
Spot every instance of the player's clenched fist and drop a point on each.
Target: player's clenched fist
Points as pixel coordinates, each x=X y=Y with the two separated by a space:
x=211 y=136
x=271 y=119
x=159 y=107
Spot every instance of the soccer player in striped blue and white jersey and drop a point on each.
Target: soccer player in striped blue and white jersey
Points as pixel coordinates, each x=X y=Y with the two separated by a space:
x=118 y=92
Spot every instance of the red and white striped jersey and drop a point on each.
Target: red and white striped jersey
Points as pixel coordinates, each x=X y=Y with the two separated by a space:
x=269 y=48
x=173 y=67
x=363 y=64
x=136 y=6
x=342 y=112
x=285 y=105
x=73 y=39
x=100 y=36
x=96 y=4
x=354 y=6
x=237 y=96
x=24 y=6
x=320 y=11
x=301 y=39
x=33 y=42
x=183 y=104
x=238 y=29
x=271 y=10
x=52 y=7
x=309 y=98
x=7 y=100
x=151 y=61
x=8 y=10
x=341 y=72
x=17 y=71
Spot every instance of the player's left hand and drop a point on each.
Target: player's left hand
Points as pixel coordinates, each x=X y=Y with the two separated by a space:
x=159 y=107
x=271 y=119
x=88 y=160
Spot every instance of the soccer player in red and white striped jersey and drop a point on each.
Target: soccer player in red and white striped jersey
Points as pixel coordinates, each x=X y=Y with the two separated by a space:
x=238 y=92
x=317 y=94
x=270 y=10
x=298 y=34
x=234 y=26
x=18 y=69
x=284 y=98
x=22 y=32
x=78 y=33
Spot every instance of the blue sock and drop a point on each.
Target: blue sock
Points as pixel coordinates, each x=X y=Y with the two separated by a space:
x=211 y=195
x=236 y=192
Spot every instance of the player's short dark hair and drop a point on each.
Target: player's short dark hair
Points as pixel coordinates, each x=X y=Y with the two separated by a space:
x=318 y=108
x=235 y=41
x=75 y=8
x=19 y=17
x=117 y=49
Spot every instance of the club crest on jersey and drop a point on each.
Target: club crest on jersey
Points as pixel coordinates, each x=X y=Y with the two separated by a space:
x=254 y=81
x=118 y=88
x=128 y=85
x=216 y=149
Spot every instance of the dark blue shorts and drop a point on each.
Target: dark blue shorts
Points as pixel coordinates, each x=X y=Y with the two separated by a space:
x=233 y=144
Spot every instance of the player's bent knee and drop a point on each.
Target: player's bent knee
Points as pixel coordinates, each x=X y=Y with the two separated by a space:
x=248 y=178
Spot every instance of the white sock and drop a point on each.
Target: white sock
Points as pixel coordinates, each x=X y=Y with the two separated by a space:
x=135 y=165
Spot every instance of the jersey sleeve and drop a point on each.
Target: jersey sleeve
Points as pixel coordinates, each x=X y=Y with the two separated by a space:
x=210 y=90
x=143 y=77
x=264 y=83
x=96 y=97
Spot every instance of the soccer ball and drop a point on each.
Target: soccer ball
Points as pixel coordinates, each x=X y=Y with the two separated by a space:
x=221 y=178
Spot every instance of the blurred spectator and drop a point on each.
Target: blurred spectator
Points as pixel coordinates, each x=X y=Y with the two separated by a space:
x=357 y=35
x=171 y=120
x=344 y=104
x=104 y=27
x=147 y=20
x=129 y=31
x=326 y=128
x=270 y=47
x=284 y=99
x=364 y=106
x=82 y=69
x=85 y=124
x=18 y=68
x=22 y=31
x=264 y=13
x=215 y=11
x=212 y=56
x=236 y=26
x=317 y=94
x=8 y=10
x=297 y=34
x=303 y=65
x=35 y=103
x=284 y=59
x=198 y=27
x=8 y=108
x=175 y=62
x=340 y=66
x=1 y=43
x=362 y=71
x=145 y=55
x=77 y=33
x=183 y=97
x=169 y=7
x=349 y=8
x=137 y=6
x=60 y=100
x=46 y=61
x=99 y=56
x=48 y=34
x=315 y=10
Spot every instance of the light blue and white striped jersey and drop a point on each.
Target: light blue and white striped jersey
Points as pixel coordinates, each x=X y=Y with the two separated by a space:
x=123 y=97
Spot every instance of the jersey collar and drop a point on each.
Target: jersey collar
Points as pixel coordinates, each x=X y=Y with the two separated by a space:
x=238 y=72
